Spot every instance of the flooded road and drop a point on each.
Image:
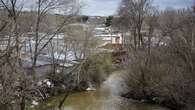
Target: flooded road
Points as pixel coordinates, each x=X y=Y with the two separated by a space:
x=104 y=98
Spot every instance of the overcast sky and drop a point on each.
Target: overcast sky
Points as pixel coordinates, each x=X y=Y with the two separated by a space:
x=109 y=7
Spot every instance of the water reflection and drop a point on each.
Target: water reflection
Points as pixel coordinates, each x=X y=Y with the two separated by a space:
x=104 y=98
x=99 y=100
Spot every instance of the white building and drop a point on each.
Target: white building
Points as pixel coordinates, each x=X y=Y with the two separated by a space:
x=108 y=36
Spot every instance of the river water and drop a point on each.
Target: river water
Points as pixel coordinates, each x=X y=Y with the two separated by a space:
x=104 y=98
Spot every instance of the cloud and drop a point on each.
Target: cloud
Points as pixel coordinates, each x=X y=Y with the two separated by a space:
x=109 y=7
x=163 y=4
x=100 y=7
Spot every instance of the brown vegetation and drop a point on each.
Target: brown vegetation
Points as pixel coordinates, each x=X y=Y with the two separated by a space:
x=162 y=70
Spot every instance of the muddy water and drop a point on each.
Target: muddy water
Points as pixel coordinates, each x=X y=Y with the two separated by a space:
x=104 y=98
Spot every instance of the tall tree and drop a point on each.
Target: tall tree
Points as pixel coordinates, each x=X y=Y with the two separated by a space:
x=44 y=7
x=135 y=11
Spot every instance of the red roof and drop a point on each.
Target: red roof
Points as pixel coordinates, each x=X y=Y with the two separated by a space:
x=113 y=46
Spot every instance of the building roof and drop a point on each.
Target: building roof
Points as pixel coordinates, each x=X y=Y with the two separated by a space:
x=113 y=46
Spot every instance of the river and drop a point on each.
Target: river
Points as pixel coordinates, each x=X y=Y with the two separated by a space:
x=104 y=98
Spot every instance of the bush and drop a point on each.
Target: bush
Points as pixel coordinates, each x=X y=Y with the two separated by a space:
x=96 y=68
x=165 y=74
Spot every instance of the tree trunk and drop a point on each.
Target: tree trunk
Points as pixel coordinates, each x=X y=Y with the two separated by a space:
x=22 y=105
x=63 y=100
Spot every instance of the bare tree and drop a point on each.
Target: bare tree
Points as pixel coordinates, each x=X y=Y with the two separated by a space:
x=135 y=11
x=13 y=12
x=161 y=70
x=43 y=7
x=15 y=84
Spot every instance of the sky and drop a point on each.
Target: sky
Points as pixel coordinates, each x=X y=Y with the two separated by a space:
x=100 y=7
x=109 y=7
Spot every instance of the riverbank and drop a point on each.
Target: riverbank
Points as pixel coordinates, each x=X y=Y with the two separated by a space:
x=149 y=96
x=168 y=103
x=106 y=97
x=116 y=82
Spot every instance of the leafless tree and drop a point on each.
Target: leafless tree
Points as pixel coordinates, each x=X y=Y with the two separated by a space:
x=15 y=84
x=43 y=7
x=13 y=12
x=161 y=70
x=135 y=11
